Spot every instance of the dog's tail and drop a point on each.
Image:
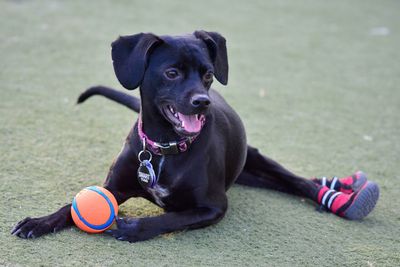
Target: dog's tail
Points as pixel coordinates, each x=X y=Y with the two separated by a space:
x=128 y=101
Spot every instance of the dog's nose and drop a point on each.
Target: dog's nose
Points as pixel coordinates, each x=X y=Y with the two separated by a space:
x=200 y=101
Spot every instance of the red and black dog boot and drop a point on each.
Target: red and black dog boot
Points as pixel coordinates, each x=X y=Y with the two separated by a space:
x=348 y=185
x=354 y=206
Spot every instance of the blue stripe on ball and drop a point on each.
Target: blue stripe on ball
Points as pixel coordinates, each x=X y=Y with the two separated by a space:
x=93 y=226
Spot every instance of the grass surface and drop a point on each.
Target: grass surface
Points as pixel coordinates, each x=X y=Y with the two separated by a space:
x=315 y=82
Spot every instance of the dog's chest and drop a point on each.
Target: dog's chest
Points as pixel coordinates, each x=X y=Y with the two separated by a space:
x=158 y=193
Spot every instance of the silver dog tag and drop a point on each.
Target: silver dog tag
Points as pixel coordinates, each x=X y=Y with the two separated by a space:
x=146 y=175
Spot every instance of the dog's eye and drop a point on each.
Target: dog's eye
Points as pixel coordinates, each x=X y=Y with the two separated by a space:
x=172 y=74
x=208 y=76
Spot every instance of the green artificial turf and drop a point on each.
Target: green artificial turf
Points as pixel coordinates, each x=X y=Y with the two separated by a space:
x=315 y=82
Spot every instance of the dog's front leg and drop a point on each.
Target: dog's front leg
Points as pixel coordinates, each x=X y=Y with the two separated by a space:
x=117 y=183
x=139 y=229
x=35 y=227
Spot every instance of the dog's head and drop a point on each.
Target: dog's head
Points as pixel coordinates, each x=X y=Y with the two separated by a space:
x=174 y=73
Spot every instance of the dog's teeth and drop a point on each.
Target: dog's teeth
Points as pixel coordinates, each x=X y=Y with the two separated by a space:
x=171 y=109
x=182 y=124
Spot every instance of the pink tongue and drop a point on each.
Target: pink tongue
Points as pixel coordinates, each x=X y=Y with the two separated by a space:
x=190 y=123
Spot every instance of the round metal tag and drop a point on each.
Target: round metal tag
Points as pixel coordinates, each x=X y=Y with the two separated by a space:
x=145 y=174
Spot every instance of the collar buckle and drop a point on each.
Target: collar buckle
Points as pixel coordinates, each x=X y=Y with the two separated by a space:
x=168 y=148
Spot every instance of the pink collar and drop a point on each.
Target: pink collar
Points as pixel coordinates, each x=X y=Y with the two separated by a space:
x=169 y=148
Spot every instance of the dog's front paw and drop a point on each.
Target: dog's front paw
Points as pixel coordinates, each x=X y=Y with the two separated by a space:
x=130 y=229
x=35 y=227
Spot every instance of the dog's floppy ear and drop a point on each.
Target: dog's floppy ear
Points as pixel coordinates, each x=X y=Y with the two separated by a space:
x=216 y=45
x=130 y=55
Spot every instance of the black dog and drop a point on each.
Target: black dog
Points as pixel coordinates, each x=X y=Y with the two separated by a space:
x=191 y=139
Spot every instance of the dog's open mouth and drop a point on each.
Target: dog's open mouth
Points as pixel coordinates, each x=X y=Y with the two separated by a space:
x=186 y=125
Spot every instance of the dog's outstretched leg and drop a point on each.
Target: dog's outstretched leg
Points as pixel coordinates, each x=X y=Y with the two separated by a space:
x=139 y=229
x=260 y=171
x=35 y=227
x=118 y=182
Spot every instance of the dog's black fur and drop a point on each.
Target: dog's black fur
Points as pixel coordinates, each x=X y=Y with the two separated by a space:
x=192 y=185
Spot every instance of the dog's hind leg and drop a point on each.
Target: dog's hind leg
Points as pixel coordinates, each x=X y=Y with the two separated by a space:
x=260 y=171
x=128 y=101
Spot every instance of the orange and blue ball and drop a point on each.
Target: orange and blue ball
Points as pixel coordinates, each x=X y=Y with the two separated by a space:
x=94 y=209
